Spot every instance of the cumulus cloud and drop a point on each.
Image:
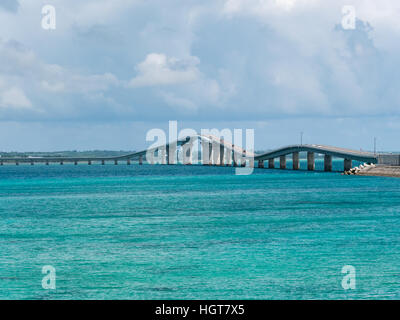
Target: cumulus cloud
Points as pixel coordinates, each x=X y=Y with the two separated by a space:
x=277 y=58
x=22 y=70
x=14 y=98
x=159 y=70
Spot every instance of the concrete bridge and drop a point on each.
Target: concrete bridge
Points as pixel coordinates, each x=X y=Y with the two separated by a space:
x=216 y=151
x=329 y=152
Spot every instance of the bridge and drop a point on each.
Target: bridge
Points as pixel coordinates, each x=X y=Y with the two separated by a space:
x=216 y=151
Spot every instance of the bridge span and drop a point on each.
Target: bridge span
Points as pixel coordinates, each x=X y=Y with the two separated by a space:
x=212 y=150
x=328 y=151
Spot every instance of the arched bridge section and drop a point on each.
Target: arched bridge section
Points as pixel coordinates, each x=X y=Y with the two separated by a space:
x=328 y=151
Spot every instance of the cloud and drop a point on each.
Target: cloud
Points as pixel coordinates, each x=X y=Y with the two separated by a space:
x=9 y=5
x=159 y=70
x=180 y=104
x=230 y=60
x=14 y=98
x=22 y=71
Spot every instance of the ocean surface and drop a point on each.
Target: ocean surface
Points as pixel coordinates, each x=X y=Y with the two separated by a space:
x=194 y=232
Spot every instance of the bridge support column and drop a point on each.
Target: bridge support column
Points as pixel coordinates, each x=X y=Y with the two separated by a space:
x=221 y=154
x=296 y=161
x=140 y=160
x=261 y=163
x=204 y=152
x=228 y=159
x=171 y=153
x=243 y=159
x=235 y=164
x=187 y=154
x=251 y=162
x=282 y=162
x=102 y=162
x=348 y=163
x=215 y=153
x=328 y=162
x=17 y=163
x=115 y=162
x=89 y=162
x=271 y=163
x=167 y=154
x=76 y=163
x=62 y=163
x=128 y=162
x=32 y=163
x=1 y=163
x=210 y=154
x=310 y=161
x=47 y=163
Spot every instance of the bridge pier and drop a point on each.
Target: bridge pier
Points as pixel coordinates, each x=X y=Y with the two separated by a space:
x=235 y=163
x=234 y=156
x=261 y=163
x=243 y=159
x=128 y=162
x=140 y=160
x=89 y=162
x=251 y=162
x=348 y=164
x=310 y=161
x=61 y=163
x=47 y=163
x=221 y=154
x=1 y=163
x=115 y=162
x=170 y=155
x=76 y=163
x=166 y=155
x=210 y=154
x=296 y=160
x=215 y=153
x=102 y=162
x=32 y=163
x=228 y=154
x=271 y=163
x=282 y=162
x=204 y=152
x=16 y=163
x=187 y=154
x=328 y=162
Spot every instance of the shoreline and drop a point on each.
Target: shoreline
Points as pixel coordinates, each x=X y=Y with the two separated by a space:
x=377 y=171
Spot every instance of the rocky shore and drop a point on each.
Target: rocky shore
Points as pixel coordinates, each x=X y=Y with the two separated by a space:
x=375 y=170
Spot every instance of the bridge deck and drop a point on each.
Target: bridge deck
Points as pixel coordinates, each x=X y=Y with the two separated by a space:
x=328 y=150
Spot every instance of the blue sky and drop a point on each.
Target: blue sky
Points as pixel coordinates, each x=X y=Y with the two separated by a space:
x=112 y=70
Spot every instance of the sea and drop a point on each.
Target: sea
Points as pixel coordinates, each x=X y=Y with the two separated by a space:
x=197 y=232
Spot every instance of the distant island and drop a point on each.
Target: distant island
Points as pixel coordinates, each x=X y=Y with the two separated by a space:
x=67 y=154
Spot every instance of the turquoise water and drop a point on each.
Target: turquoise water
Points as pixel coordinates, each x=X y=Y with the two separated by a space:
x=193 y=232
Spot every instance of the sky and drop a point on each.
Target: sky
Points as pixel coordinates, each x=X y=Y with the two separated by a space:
x=113 y=70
